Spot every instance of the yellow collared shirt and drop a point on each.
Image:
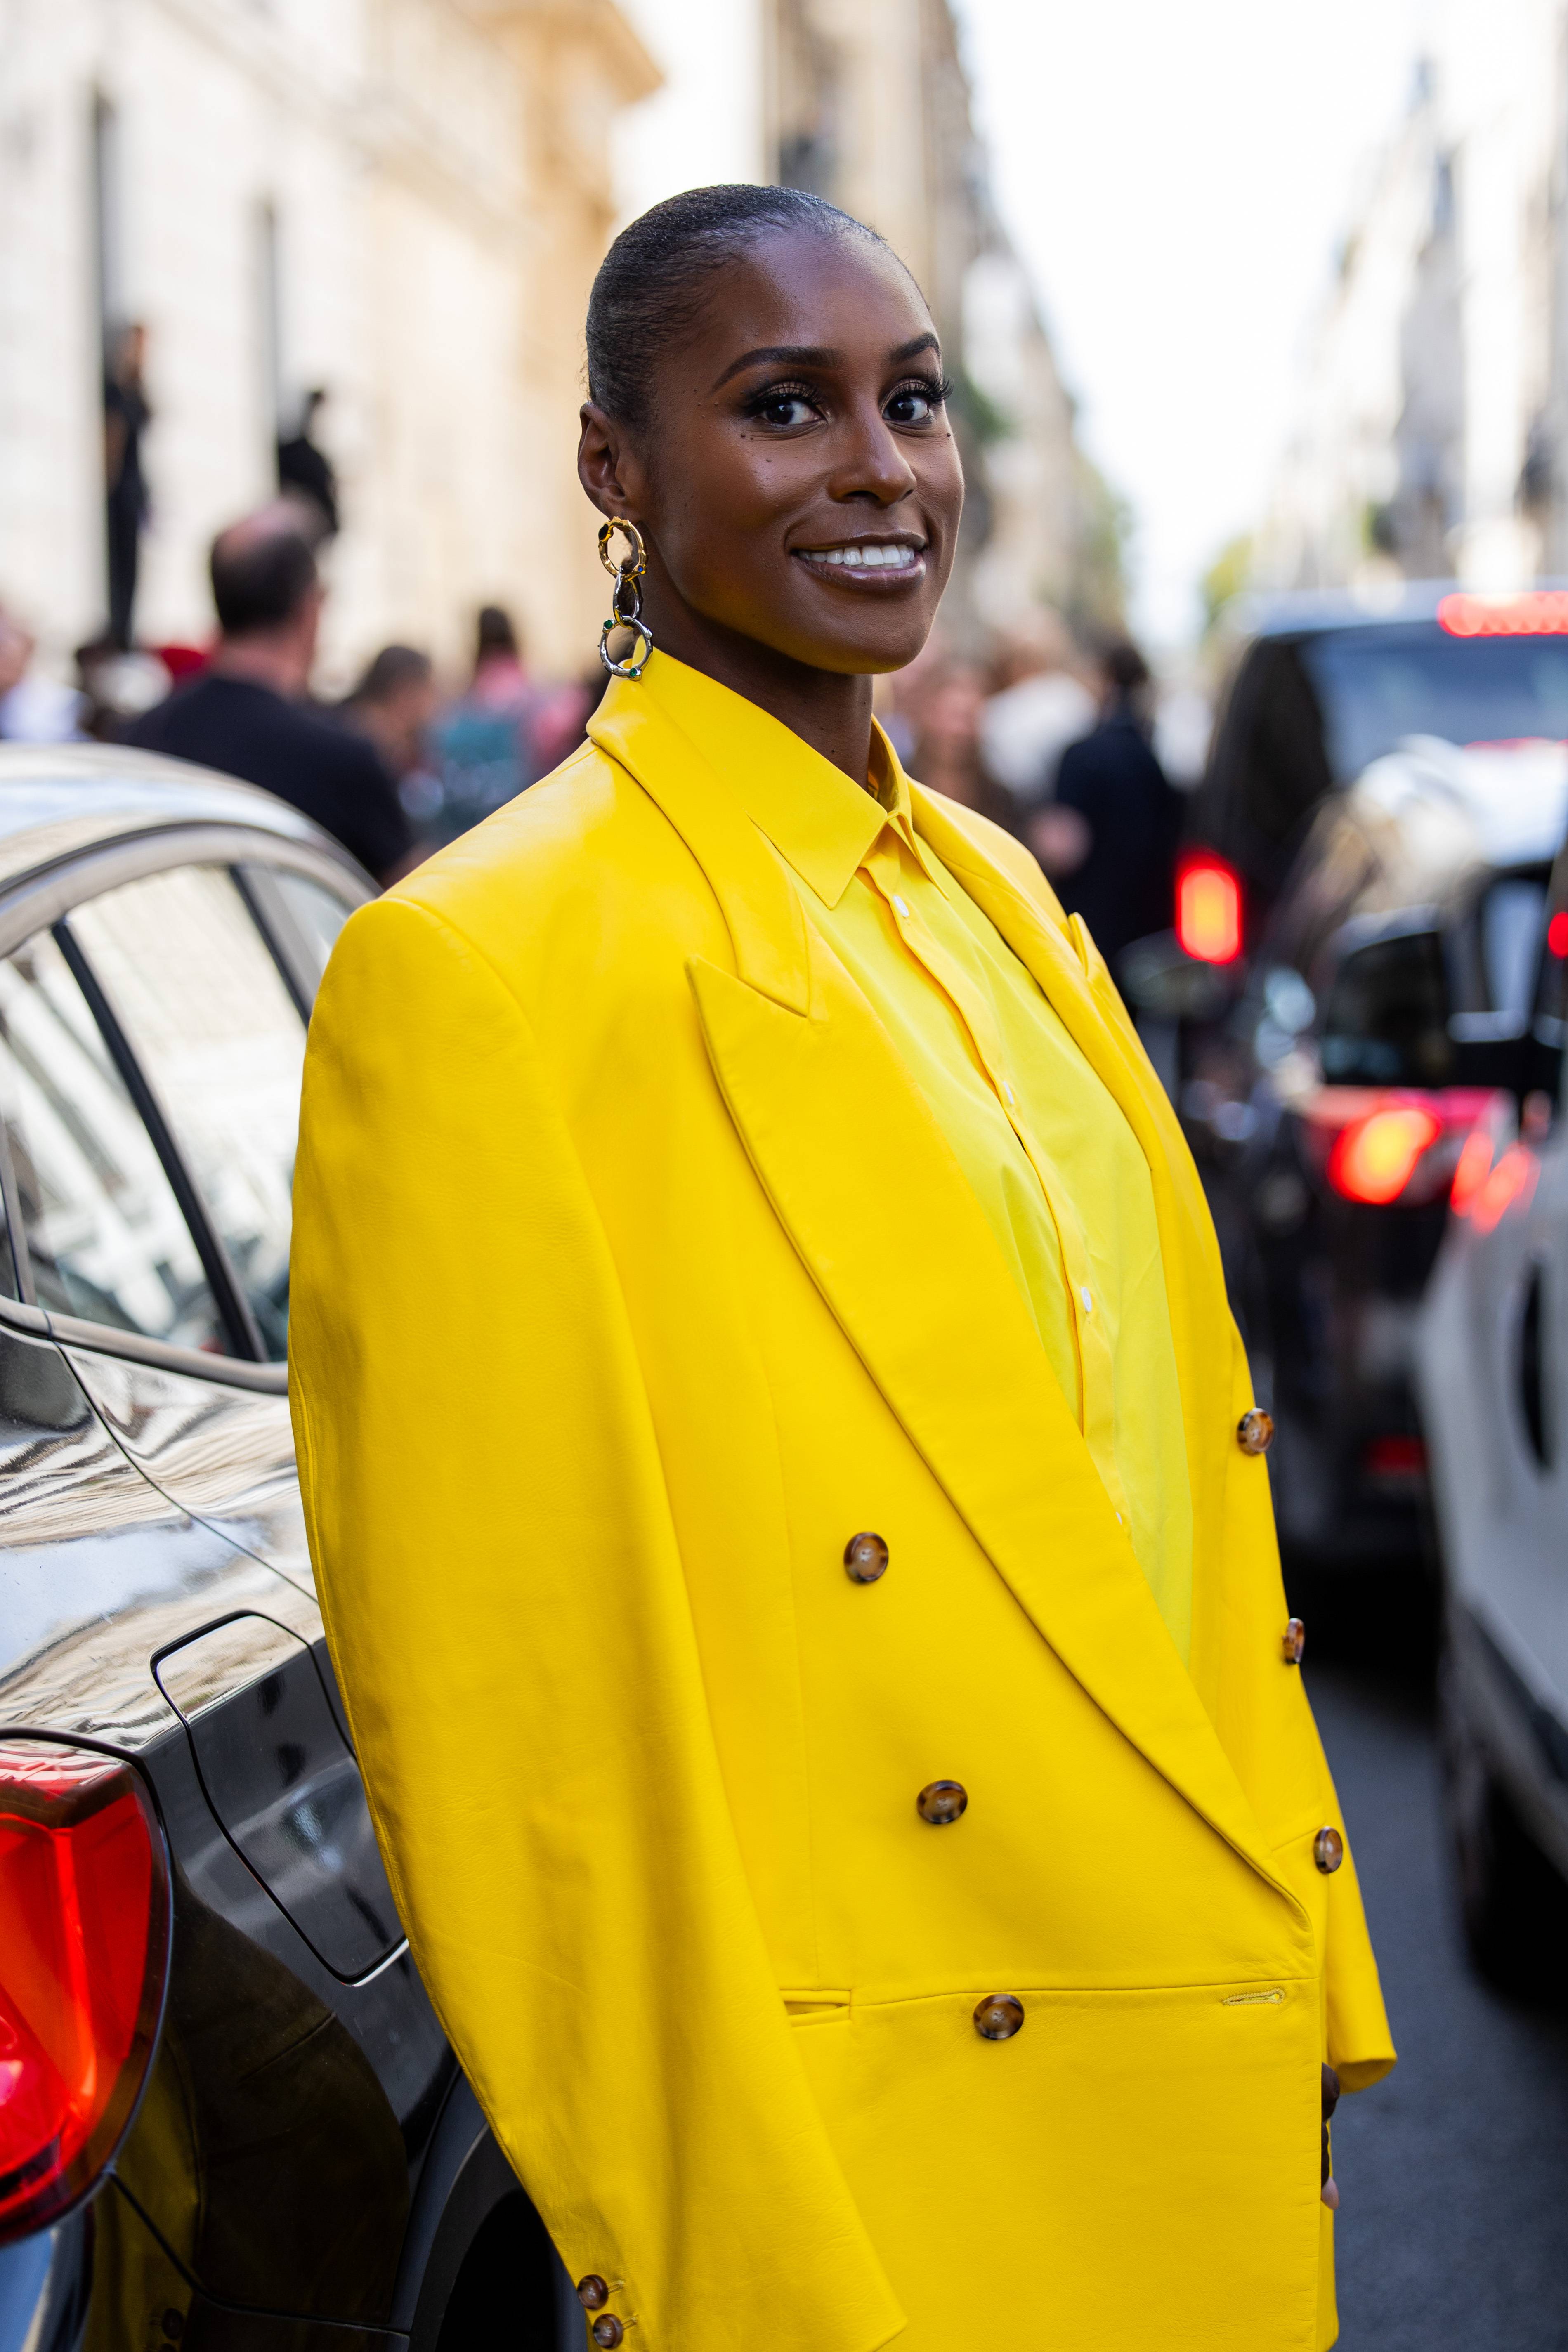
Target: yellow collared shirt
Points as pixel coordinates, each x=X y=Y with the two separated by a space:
x=1047 y=1151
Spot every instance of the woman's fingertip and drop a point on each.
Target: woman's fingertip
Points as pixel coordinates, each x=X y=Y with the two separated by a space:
x=1331 y=2194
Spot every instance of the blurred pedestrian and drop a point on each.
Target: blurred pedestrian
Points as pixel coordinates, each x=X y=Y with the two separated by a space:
x=126 y=416
x=1108 y=840
x=393 y=707
x=484 y=741
x=32 y=709
x=1040 y=706
x=243 y=715
x=945 y=714
x=306 y=472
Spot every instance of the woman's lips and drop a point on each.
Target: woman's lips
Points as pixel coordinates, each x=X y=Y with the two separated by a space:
x=867 y=564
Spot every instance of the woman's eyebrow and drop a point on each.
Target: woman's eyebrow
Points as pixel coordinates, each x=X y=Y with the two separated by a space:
x=817 y=355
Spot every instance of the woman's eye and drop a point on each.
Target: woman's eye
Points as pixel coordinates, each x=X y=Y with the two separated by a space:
x=915 y=405
x=786 y=408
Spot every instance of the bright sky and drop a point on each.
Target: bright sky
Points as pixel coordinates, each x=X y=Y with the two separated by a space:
x=1176 y=176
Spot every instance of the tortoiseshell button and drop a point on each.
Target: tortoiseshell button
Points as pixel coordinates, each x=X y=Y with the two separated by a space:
x=607 y=2330
x=1294 y=1646
x=592 y=2291
x=941 y=1801
x=866 y=1558
x=1328 y=1851
x=1255 y=1431
x=999 y=2017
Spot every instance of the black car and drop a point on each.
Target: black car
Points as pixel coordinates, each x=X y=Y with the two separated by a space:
x=228 y=2115
x=1323 y=685
x=1378 y=1053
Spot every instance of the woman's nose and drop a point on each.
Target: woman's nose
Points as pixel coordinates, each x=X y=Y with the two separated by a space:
x=872 y=463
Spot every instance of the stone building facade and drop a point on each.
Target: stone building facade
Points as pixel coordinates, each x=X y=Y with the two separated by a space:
x=868 y=103
x=403 y=201
x=1433 y=434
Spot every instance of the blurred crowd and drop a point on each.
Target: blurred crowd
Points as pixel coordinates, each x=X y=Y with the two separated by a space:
x=1051 y=736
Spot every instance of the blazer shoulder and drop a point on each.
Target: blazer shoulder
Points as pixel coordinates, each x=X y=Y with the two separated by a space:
x=588 y=825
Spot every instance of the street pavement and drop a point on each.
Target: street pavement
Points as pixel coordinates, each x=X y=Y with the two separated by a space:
x=1453 y=2173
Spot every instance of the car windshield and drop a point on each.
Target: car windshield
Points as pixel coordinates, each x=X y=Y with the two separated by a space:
x=1376 y=686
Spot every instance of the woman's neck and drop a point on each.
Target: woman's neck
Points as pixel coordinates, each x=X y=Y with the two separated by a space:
x=830 y=712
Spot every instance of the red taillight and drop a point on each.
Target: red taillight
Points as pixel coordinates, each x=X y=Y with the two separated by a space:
x=84 y=1945
x=1511 y=1180
x=1394 y=1461
x=1538 y=612
x=1208 y=910
x=1375 y=1158
x=1557 y=935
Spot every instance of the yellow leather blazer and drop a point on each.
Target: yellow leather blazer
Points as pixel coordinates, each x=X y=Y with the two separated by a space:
x=632 y=1280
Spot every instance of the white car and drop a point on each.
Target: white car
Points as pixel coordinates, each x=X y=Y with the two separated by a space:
x=1492 y=1377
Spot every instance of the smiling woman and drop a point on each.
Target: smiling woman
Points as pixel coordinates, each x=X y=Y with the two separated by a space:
x=784 y=1483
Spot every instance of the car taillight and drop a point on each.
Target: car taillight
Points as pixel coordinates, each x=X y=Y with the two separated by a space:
x=1208 y=910
x=1512 y=1179
x=1473 y=1168
x=84 y=1949
x=1379 y=1145
x=1375 y=1158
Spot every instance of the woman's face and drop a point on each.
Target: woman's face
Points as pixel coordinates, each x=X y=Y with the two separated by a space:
x=797 y=482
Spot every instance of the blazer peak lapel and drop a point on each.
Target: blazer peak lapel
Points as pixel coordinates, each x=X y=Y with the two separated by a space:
x=913 y=1274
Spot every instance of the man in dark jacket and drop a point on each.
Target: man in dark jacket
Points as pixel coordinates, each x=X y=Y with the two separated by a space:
x=1109 y=839
x=243 y=715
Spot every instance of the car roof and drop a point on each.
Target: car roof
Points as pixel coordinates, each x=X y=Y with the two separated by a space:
x=57 y=800
x=1377 y=604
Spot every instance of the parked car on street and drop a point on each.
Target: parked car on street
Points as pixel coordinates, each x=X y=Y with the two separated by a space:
x=1493 y=1372
x=228 y=2114
x=1324 y=684
x=1379 y=1041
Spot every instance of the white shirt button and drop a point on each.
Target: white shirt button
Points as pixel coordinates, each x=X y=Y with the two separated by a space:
x=1087 y=1299
x=1007 y=1092
x=901 y=906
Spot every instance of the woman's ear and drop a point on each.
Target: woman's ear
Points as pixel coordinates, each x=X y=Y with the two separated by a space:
x=607 y=467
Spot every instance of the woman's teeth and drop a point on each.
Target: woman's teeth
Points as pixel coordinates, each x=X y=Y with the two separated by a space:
x=870 y=556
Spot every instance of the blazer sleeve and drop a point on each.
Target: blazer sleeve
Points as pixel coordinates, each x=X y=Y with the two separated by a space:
x=507 y=1613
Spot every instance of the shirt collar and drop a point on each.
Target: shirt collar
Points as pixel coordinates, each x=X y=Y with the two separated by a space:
x=820 y=822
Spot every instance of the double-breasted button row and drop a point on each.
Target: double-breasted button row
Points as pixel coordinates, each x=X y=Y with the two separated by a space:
x=1328 y=1850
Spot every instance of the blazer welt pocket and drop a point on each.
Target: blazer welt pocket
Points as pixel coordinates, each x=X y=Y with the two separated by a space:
x=807 y=2007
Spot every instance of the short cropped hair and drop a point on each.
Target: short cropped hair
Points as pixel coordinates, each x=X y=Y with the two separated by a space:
x=652 y=281
x=260 y=579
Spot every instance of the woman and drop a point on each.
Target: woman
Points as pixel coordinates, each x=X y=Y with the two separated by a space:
x=769 y=1419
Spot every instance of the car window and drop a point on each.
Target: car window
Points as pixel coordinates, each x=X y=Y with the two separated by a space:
x=1385 y=1022
x=1512 y=916
x=1270 y=767
x=315 y=916
x=102 y=1227
x=1379 y=684
x=192 y=984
